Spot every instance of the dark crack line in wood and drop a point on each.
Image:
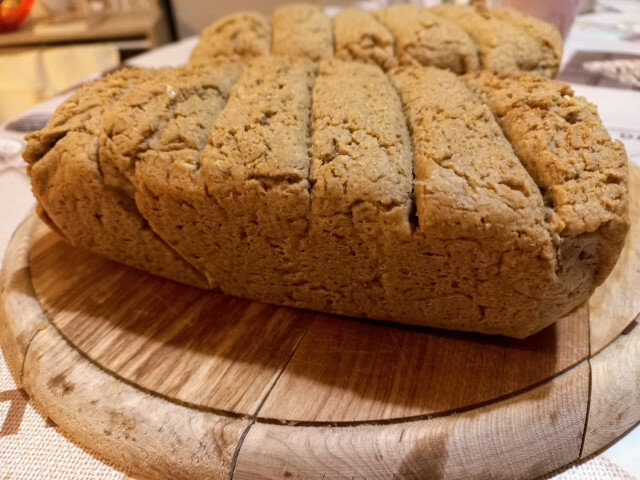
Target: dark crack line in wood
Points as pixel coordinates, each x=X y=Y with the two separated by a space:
x=589 y=388
x=236 y=453
x=604 y=447
x=30 y=280
x=629 y=328
x=428 y=416
x=24 y=357
x=581 y=461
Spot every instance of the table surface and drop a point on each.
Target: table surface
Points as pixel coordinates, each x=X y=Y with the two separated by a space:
x=31 y=447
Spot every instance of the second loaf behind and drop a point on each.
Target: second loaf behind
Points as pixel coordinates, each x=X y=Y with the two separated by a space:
x=458 y=38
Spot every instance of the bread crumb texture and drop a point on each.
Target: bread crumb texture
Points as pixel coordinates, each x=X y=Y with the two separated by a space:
x=373 y=188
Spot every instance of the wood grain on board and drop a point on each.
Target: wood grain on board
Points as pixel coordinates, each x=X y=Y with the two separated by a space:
x=347 y=371
x=150 y=437
x=616 y=302
x=198 y=347
x=615 y=391
x=21 y=315
x=519 y=438
x=139 y=432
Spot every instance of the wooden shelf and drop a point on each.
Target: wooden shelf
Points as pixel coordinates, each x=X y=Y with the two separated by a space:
x=114 y=26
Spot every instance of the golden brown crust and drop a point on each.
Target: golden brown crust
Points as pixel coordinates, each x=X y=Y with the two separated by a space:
x=546 y=34
x=250 y=183
x=486 y=202
x=466 y=174
x=155 y=134
x=243 y=34
x=453 y=37
x=359 y=36
x=172 y=113
x=507 y=42
x=361 y=178
x=423 y=38
x=68 y=184
x=302 y=30
x=562 y=143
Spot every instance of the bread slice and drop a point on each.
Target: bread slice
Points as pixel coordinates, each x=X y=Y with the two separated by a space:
x=242 y=34
x=582 y=173
x=302 y=30
x=489 y=203
x=154 y=135
x=423 y=38
x=361 y=182
x=481 y=218
x=457 y=38
x=508 y=41
x=545 y=34
x=249 y=183
x=67 y=181
x=360 y=37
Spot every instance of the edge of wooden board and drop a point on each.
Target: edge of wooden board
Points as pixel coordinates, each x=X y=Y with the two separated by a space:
x=612 y=308
x=531 y=434
x=614 y=406
x=574 y=416
x=20 y=313
x=135 y=430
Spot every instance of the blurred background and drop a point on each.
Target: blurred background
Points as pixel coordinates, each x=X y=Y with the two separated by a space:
x=50 y=46
x=62 y=42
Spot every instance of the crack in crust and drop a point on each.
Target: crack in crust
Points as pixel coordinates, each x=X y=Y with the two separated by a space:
x=359 y=36
x=582 y=173
x=171 y=114
x=507 y=41
x=423 y=38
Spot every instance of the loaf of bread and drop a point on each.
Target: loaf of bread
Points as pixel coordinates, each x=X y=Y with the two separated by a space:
x=493 y=203
x=458 y=38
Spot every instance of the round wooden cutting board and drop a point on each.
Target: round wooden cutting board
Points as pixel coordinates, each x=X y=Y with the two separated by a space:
x=169 y=381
